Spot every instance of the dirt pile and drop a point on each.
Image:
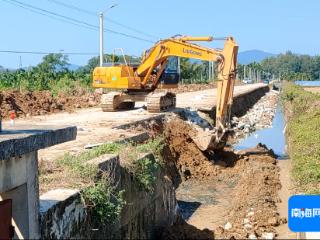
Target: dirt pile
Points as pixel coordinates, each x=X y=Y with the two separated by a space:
x=43 y=102
x=253 y=212
x=189 y=159
x=183 y=230
x=251 y=184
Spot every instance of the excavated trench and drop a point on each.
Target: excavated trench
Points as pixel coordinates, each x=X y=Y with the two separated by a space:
x=225 y=194
x=195 y=194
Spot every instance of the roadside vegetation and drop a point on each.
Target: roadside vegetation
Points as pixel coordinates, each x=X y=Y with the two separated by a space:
x=102 y=199
x=56 y=74
x=303 y=136
x=287 y=66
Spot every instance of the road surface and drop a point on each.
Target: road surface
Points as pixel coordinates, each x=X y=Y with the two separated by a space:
x=95 y=126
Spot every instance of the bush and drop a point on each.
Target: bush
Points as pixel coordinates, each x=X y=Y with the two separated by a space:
x=145 y=170
x=303 y=134
x=104 y=202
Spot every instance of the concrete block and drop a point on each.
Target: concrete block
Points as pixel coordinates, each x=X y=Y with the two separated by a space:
x=62 y=214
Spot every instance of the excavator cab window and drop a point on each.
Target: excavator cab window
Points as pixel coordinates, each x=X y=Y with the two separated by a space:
x=171 y=74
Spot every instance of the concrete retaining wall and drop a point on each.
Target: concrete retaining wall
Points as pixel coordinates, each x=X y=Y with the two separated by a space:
x=63 y=214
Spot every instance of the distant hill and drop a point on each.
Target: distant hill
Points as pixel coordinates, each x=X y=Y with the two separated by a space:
x=73 y=67
x=250 y=56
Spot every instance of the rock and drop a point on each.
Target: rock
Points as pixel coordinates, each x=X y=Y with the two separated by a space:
x=273 y=221
x=219 y=230
x=283 y=220
x=228 y=226
x=250 y=214
x=247 y=226
x=268 y=235
x=246 y=130
x=252 y=236
x=246 y=221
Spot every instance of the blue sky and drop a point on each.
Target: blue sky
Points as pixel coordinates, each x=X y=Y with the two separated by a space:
x=270 y=25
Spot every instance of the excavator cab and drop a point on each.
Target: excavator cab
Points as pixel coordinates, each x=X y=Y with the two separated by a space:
x=171 y=75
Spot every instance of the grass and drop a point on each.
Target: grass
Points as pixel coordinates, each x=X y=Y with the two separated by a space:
x=104 y=201
x=303 y=134
x=144 y=168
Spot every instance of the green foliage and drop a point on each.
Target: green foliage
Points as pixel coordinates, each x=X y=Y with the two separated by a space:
x=104 y=202
x=287 y=66
x=293 y=67
x=155 y=147
x=194 y=71
x=303 y=131
x=75 y=162
x=145 y=170
x=53 y=74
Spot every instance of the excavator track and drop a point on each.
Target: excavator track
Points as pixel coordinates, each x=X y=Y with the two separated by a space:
x=113 y=101
x=162 y=101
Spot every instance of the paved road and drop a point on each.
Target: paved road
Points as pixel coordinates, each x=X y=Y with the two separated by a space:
x=95 y=126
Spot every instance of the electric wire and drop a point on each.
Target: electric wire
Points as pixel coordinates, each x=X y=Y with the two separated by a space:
x=72 y=20
x=46 y=53
x=50 y=16
x=73 y=7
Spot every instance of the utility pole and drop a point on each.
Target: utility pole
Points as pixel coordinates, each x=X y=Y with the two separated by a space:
x=101 y=38
x=209 y=71
x=20 y=62
x=212 y=73
x=101 y=17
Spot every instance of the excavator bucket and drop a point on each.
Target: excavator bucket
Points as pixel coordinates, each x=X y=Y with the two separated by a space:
x=207 y=140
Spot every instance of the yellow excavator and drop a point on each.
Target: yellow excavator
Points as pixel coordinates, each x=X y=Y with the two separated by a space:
x=139 y=82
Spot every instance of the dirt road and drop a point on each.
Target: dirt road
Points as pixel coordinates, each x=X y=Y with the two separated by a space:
x=312 y=89
x=95 y=126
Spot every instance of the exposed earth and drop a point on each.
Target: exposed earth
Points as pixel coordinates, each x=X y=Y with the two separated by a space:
x=233 y=195
x=225 y=194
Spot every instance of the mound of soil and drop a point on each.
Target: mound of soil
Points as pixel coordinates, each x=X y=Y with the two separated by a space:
x=43 y=102
x=250 y=178
x=188 y=158
x=253 y=210
x=183 y=230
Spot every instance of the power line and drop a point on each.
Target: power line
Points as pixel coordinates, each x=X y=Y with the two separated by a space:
x=72 y=20
x=38 y=12
x=46 y=53
x=65 y=18
x=73 y=7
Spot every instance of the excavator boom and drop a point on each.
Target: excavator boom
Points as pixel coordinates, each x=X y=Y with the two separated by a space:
x=139 y=82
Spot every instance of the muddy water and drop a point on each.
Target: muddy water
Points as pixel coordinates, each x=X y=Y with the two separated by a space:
x=273 y=137
x=204 y=204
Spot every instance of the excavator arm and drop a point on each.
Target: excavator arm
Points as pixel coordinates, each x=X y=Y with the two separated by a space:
x=139 y=82
x=158 y=56
x=174 y=47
